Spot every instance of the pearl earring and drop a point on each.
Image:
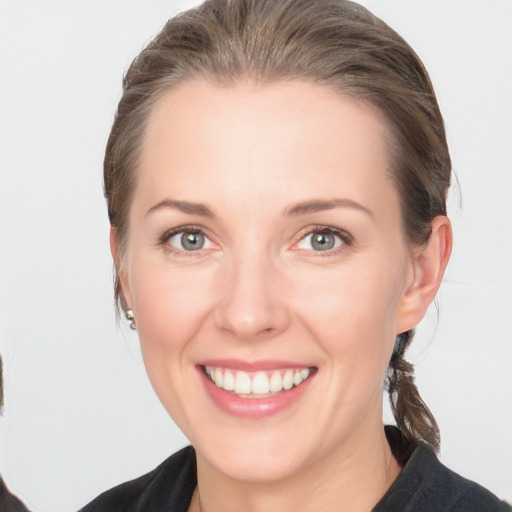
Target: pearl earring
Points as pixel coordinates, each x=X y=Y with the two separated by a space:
x=129 y=316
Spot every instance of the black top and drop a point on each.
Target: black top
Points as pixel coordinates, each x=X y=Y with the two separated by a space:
x=9 y=502
x=424 y=485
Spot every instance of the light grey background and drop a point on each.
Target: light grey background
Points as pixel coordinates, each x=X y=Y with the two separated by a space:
x=80 y=415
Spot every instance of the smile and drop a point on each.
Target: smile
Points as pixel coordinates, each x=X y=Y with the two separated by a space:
x=258 y=384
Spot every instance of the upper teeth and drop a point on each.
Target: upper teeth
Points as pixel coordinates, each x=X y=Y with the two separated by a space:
x=256 y=383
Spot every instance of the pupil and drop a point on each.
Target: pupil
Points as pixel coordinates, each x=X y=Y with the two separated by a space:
x=192 y=241
x=322 y=241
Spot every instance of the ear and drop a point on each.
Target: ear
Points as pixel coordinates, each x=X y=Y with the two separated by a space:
x=122 y=280
x=429 y=264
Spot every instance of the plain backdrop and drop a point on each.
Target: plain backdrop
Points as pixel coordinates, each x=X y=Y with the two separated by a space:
x=80 y=415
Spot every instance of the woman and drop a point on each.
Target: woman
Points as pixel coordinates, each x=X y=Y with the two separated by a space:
x=276 y=182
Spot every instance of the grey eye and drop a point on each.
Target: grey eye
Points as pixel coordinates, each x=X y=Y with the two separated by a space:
x=320 y=241
x=189 y=241
x=192 y=241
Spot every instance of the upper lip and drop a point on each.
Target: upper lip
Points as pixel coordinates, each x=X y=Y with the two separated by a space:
x=252 y=366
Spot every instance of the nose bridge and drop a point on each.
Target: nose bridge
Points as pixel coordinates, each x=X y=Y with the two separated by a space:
x=250 y=303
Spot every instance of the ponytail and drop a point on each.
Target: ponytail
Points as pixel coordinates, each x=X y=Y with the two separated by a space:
x=412 y=415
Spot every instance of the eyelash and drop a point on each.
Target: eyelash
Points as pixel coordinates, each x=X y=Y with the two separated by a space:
x=164 y=239
x=344 y=236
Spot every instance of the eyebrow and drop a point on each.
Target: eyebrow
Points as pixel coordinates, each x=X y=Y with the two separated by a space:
x=303 y=208
x=319 y=205
x=184 y=206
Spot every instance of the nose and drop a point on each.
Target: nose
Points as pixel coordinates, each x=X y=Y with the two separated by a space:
x=252 y=303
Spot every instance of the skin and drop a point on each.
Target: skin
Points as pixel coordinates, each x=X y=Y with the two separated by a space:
x=258 y=290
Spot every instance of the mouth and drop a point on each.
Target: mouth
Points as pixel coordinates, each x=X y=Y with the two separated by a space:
x=257 y=384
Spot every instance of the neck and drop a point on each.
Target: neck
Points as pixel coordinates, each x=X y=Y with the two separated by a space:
x=352 y=478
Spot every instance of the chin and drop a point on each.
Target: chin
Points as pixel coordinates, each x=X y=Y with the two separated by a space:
x=256 y=457
x=257 y=467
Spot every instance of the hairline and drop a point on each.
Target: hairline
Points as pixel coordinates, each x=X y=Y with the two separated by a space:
x=168 y=84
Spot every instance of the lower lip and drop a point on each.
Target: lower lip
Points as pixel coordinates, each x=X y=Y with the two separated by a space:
x=253 y=407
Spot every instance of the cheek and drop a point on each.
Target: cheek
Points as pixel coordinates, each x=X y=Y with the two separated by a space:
x=169 y=305
x=170 y=308
x=354 y=313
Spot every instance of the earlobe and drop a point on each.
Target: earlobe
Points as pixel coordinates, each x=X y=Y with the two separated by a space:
x=429 y=265
x=121 y=279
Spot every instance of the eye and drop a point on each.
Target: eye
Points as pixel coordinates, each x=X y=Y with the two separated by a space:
x=187 y=240
x=322 y=240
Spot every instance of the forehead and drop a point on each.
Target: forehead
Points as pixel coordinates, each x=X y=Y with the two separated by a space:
x=282 y=141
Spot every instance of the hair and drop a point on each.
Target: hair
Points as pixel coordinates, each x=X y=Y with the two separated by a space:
x=335 y=43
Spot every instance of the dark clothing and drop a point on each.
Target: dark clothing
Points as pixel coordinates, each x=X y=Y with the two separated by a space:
x=9 y=502
x=424 y=485
x=167 y=488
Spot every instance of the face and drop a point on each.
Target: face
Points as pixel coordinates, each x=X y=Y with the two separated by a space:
x=265 y=252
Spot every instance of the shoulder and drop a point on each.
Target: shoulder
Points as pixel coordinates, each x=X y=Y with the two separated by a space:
x=169 y=486
x=9 y=502
x=426 y=485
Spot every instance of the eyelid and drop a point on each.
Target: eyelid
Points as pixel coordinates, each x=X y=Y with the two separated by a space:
x=345 y=237
x=188 y=228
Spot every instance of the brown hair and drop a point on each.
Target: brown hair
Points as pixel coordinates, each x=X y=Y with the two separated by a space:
x=330 y=42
